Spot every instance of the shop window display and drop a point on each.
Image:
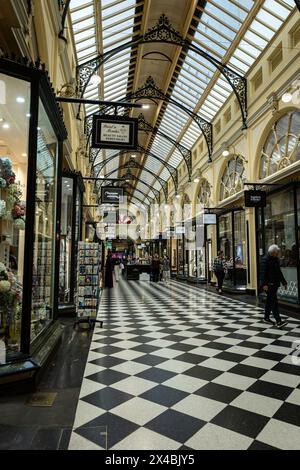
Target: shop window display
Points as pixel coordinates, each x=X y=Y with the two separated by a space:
x=282 y=147
x=65 y=267
x=14 y=131
x=277 y=225
x=45 y=207
x=233 y=178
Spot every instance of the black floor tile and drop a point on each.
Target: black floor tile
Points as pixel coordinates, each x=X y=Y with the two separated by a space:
x=229 y=356
x=218 y=392
x=204 y=373
x=150 y=359
x=287 y=368
x=107 y=350
x=272 y=356
x=271 y=390
x=253 y=345
x=163 y=395
x=156 y=375
x=107 y=398
x=108 y=361
x=182 y=347
x=248 y=371
x=177 y=426
x=217 y=345
x=241 y=421
x=191 y=358
x=257 y=445
x=107 y=377
x=145 y=348
x=289 y=413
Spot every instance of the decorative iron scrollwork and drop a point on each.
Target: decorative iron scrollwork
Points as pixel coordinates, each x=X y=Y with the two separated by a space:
x=164 y=31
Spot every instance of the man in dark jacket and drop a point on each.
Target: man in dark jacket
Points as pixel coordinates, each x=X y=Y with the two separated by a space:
x=271 y=278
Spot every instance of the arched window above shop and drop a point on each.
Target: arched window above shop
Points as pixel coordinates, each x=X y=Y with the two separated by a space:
x=204 y=193
x=282 y=147
x=233 y=177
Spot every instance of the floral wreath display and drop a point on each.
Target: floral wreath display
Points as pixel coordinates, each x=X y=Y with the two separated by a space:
x=11 y=207
x=10 y=306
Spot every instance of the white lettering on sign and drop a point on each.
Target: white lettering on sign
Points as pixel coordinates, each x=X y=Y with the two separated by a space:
x=112 y=132
x=112 y=195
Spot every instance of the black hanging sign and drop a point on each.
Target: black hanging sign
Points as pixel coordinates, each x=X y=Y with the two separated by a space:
x=255 y=198
x=115 y=132
x=111 y=195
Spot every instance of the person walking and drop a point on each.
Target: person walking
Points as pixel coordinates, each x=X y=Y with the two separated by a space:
x=166 y=269
x=220 y=269
x=117 y=269
x=271 y=278
x=155 y=268
x=109 y=271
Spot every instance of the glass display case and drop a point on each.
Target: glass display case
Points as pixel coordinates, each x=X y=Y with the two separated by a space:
x=70 y=235
x=232 y=241
x=31 y=136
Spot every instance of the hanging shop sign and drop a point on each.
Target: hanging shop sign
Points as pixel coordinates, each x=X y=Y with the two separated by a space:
x=209 y=219
x=255 y=198
x=115 y=132
x=180 y=230
x=112 y=195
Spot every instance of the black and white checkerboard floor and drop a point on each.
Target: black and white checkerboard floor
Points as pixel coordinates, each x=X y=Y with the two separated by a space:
x=177 y=367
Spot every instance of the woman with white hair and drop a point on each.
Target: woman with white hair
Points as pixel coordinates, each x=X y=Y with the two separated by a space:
x=271 y=278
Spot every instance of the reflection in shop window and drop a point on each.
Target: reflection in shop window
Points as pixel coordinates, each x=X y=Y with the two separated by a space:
x=14 y=133
x=282 y=147
x=233 y=178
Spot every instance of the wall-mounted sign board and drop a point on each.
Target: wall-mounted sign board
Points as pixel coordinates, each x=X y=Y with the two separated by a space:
x=255 y=198
x=111 y=195
x=115 y=132
x=209 y=219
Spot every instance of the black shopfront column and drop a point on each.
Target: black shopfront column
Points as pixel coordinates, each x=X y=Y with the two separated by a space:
x=72 y=188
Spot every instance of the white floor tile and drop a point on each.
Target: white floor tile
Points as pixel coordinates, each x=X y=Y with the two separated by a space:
x=185 y=383
x=134 y=385
x=128 y=355
x=259 y=404
x=212 y=437
x=130 y=367
x=294 y=397
x=282 y=435
x=138 y=410
x=259 y=362
x=89 y=386
x=199 y=407
x=144 y=439
x=281 y=378
x=175 y=366
x=233 y=380
x=86 y=412
x=218 y=364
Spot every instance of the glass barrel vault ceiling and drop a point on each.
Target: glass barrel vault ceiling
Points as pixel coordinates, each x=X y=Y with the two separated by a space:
x=221 y=23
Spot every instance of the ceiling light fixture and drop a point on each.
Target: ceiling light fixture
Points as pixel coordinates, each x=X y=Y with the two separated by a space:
x=24 y=154
x=287 y=97
x=146 y=106
x=28 y=115
x=196 y=180
x=5 y=125
x=225 y=153
x=177 y=196
x=20 y=99
x=95 y=80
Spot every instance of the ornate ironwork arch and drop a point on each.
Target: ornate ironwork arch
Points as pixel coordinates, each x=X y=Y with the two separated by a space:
x=132 y=177
x=164 y=32
x=145 y=126
x=133 y=164
x=151 y=91
x=172 y=170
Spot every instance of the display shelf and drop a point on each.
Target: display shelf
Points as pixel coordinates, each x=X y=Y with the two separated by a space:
x=88 y=280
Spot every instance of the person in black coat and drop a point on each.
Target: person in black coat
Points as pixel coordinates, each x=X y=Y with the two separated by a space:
x=271 y=278
x=109 y=271
x=155 y=268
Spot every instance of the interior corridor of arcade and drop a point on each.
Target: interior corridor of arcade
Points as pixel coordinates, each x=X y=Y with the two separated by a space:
x=149 y=224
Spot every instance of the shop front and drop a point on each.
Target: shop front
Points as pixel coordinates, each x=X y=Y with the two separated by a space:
x=278 y=223
x=70 y=234
x=31 y=140
x=231 y=239
x=195 y=241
